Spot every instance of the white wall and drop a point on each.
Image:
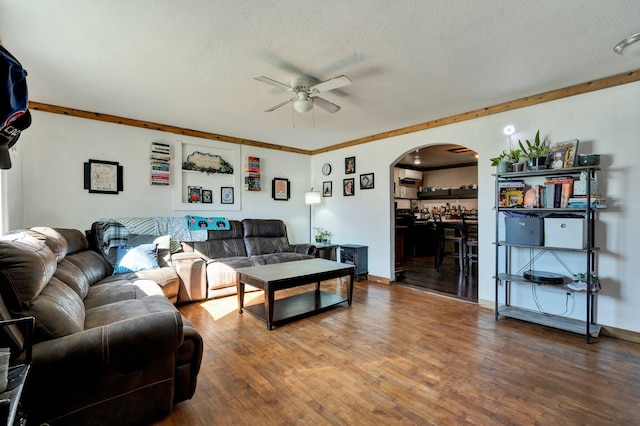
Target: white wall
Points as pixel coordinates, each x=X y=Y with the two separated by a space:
x=54 y=148
x=605 y=122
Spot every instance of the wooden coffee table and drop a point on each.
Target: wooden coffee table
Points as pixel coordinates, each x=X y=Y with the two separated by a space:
x=280 y=276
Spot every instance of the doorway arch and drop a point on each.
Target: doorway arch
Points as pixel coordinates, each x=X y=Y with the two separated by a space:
x=446 y=168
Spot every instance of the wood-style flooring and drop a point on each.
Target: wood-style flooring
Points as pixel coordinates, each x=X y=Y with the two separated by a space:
x=402 y=356
x=448 y=279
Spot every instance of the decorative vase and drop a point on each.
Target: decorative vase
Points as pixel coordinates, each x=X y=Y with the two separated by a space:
x=502 y=167
x=318 y=239
x=537 y=163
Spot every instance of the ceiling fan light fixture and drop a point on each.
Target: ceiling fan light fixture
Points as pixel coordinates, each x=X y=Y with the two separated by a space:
x=629 y=46
x=303 y=106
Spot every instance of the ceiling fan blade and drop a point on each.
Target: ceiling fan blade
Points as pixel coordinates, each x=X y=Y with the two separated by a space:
x=325 y=104
x=281 y=104
x=273 y=82
x=334 y=83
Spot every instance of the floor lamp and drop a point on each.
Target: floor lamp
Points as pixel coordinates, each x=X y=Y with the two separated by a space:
x=312 y=197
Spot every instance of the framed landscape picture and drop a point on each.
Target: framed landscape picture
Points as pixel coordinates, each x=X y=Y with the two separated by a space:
x=563 y=154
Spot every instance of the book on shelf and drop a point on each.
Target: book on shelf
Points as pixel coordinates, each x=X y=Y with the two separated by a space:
x=558 y=190
x=580 y=202
x=510 y=192
x=160 y=152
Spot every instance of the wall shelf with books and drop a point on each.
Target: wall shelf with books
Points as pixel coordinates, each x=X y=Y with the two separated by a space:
x=547 y=213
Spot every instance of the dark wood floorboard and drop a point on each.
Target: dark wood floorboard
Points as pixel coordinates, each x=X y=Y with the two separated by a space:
x=401 y=356
x=448 y=279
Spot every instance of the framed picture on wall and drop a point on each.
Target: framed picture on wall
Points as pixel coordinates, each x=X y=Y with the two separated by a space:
x=103 y=177
x=226 y=195
x=366 y=181
x=194 y=194
x=207 y=196
x=348 y=187
x=349 y=165
x=280 y=189
x=327 y=189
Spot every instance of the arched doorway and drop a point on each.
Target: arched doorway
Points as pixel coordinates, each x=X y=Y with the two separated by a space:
x=434 y=187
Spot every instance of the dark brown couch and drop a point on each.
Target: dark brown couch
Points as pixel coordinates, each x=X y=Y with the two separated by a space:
x=108 y=349
x=206 y=269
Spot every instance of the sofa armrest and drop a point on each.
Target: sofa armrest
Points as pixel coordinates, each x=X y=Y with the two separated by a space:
x=122 y=345
x=192 y=273
x=309 y=249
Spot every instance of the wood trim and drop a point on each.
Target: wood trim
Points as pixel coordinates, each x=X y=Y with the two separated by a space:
x=578 y=89
x=54 y=109
x=591 y=86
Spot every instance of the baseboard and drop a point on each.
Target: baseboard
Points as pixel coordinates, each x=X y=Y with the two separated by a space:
x=378 y=280
x=618 y=333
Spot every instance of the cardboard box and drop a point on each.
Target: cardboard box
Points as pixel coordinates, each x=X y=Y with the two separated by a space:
x=565 y=232
x=527 y=230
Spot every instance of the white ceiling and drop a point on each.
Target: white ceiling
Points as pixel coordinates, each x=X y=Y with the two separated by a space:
x=191 y=63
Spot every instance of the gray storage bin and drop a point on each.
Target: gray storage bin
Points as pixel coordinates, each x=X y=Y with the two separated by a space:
x=526 y=230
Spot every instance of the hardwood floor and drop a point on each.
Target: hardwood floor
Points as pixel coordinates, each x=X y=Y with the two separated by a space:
x=448 y=279
x=401 y=356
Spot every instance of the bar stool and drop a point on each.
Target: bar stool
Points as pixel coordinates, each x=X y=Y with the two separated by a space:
x=444 y=239
x=470 y=232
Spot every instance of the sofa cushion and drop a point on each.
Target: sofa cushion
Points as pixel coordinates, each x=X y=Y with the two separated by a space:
x=58 y=310
x=222 y=272
x=219 y=244
x=26 y=266
x=138 y=258
x=163 y=242
x=265 y=236
x=52 y=239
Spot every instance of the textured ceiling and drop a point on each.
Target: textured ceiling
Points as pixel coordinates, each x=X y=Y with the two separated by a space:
x=191 y=64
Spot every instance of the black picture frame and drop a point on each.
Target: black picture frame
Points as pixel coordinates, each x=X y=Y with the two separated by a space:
x=327 y=189
x=348 y=187
x=103 y=177
x=194 y=194
x=349 y=165
x=207 y=196
x=366 y=181
x=280 y=189
x=226 y=195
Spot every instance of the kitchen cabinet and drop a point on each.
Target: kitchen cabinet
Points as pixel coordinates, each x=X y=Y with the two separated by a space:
x=447 y=194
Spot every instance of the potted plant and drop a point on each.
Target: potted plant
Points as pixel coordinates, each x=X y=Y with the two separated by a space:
x=536 y=152
x=326 y=236
x=505 y=160
x=319 y=232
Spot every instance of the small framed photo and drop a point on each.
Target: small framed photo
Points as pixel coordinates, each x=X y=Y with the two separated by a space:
x=226 y=195
x=327 y=189
x=348 y=188
x=563 y=154
x=366 y=181
x=194 y=194
x=207 y=196
x=103 y=177
x=349 y=165
x=280 y=189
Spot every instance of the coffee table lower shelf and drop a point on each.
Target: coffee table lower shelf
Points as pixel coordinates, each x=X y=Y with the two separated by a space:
x=298 y=306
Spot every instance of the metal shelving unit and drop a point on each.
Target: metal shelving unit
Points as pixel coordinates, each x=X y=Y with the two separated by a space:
x=505 y=278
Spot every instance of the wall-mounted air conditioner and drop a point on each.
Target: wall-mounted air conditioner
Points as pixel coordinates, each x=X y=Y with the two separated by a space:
x=409 y=175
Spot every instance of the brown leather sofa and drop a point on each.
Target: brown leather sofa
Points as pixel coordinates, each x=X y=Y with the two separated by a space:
x=206 y=269
x=108 y=349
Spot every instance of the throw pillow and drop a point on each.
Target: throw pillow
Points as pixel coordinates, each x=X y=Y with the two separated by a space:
x=139 y=258
x=164 y=245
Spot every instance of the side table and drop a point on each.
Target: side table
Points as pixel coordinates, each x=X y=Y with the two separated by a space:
x=17 y=375
x=327 y=251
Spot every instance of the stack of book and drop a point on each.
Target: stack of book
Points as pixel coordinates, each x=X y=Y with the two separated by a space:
x=160 y=157
x=580 y=202
x=557 y=191
x=252 y=175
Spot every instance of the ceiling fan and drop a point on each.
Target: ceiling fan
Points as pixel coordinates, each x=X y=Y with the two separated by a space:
x=305 y=89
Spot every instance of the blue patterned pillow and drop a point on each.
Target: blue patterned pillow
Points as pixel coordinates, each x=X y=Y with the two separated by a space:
x=138 y=258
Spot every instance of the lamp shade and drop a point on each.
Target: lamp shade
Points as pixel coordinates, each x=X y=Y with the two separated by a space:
x=303 y=106
x=312 y=197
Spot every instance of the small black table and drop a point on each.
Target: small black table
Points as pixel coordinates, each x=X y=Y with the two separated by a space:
x=280 y=276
